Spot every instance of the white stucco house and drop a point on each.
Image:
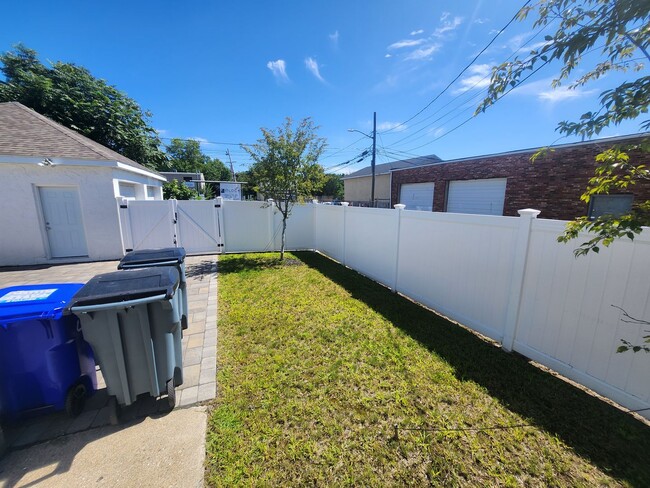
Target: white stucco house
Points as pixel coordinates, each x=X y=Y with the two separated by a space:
x=61 y=191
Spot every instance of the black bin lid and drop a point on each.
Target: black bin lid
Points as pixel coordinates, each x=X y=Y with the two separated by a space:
x=143 y=257
x=131 y=284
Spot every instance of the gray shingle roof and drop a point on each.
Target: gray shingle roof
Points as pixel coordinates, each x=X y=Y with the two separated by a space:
x=386 y=168
x=24 y=132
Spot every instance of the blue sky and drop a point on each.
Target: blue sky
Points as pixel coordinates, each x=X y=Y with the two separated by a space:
x=218 y=71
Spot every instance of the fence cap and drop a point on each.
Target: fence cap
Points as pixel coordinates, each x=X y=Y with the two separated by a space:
x=529 y=212
x=399 y=206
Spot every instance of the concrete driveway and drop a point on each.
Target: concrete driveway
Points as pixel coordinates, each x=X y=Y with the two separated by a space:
x=153 y=446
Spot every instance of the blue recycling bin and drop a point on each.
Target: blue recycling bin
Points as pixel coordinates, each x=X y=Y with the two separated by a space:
x=45 y=364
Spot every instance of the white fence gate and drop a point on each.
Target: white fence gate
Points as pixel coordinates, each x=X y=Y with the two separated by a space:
x=195 y=225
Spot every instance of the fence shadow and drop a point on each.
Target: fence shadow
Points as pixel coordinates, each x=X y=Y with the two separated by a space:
x=253 y=262
x=611 y=439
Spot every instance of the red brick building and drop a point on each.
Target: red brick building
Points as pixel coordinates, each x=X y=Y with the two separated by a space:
x=501 y=184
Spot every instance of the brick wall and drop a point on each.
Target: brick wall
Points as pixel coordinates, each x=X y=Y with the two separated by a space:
x=552 y=184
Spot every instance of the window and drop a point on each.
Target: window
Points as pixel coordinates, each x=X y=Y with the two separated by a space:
x=151 y=192
x=614 y=205
x=127 y=191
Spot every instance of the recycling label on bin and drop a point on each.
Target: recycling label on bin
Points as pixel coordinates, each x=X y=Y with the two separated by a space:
x=26 y=295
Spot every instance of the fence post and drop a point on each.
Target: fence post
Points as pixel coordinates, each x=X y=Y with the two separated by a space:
x=399 y=207
x=345 y=210
x=517 y=278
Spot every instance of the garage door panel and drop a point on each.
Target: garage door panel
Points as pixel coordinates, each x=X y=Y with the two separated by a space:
x=417 y=196
x=485 y=197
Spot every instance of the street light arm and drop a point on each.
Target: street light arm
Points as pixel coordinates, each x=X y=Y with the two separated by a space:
x=355 y=130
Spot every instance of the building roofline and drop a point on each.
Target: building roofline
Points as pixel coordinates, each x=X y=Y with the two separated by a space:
x=593 y=142
x=110 y=155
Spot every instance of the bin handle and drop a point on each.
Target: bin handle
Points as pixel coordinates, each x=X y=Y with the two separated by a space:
x=109 y=306
x=157 y=263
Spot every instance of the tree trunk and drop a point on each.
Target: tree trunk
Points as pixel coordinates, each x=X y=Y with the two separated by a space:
x=284 y=231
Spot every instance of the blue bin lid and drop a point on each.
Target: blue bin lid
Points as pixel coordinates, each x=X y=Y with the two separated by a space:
x=28 y=302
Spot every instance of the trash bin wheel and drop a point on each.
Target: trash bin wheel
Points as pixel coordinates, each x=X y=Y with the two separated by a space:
x=113 y=411
x=75 y=399
x=171 y=393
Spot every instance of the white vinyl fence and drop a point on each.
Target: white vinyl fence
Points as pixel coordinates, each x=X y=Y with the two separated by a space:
x=505 y=277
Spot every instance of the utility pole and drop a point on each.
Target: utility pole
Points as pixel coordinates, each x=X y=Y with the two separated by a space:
x=232 y=169
x=374 y=152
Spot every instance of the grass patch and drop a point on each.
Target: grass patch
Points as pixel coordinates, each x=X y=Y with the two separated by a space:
x=317 y=365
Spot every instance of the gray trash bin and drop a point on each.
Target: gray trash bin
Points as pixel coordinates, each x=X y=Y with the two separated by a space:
x=132 y=321
x=168 y=256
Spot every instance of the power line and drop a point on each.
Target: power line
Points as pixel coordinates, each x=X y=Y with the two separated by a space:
x=514 y=17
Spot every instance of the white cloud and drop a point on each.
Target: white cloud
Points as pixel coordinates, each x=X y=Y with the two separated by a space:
x=417 y=32
x=279 y=70
x=406 y=43
x=543 y=92
x=162 y=132
x=384 y=126
x=478 y=77
x=563 y=93
x=388 y=56
x=423 y=53
x=312 y=66
x=516 y=43
x=203 y=142
x=447 y=24
x=481 y=21
x=334 y=38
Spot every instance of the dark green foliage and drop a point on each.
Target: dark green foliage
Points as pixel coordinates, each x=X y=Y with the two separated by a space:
x=71 y=96
x=186 y=155
x=333 y=187
x=178 y=191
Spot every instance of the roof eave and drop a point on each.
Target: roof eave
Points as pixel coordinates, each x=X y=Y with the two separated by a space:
x=13 y=159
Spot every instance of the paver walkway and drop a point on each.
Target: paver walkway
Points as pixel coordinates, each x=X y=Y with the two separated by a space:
x=199 y=350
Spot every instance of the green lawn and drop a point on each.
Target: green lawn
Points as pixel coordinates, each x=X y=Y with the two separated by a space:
x=317 y=365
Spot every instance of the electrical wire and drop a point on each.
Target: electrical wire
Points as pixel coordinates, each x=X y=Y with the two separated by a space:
x=514 y=17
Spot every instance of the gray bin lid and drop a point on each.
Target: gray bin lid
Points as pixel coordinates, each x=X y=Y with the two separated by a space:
x=143 y=257
x=121 y=286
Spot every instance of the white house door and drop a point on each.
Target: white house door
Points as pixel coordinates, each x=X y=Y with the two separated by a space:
x=63 y=224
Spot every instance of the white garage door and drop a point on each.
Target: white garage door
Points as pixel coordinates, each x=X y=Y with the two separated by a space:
x=417 y=196
x=477 y=196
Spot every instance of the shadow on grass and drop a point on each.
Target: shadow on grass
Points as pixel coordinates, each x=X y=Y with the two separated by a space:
x=613 y=440
x=255 y=262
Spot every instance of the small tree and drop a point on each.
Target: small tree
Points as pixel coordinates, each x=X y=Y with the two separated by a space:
x=174 y=190
x=620 y=31
x=286 y=167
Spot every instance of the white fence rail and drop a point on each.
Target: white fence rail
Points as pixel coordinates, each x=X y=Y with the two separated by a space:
x=505 y=277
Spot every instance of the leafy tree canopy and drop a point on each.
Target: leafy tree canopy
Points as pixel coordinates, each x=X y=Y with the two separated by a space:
x=178 y=191
x=186 y=155
x=332 y=187
x=285 y=165
x=71 y=96
x=618 y=32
